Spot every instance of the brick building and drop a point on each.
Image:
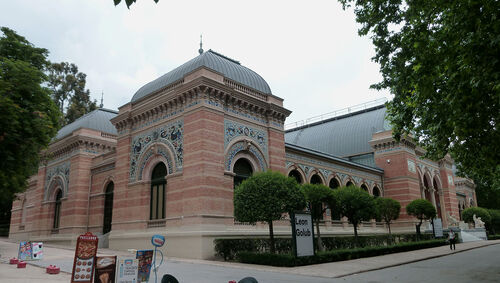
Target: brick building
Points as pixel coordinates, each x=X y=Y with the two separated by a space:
x=168 y=160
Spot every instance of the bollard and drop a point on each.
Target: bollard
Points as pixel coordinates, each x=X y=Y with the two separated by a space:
x=52 y=269
x=13 y=260
x=232 y=281
x=21 y=264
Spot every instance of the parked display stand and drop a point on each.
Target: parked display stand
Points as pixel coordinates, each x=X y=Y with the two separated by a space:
x=84 y=261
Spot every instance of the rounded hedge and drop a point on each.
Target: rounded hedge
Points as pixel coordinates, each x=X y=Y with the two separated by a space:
x=468 y=213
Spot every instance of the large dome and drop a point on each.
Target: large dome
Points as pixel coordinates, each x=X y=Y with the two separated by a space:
x=212 y=60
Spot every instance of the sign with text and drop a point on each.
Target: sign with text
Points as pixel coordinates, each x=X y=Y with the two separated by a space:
x=84 y=261
x=438 y=227
x=105 y=269
x=127 y=270
x=303 y=234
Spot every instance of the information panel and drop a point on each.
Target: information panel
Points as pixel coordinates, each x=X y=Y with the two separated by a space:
x=127 y=270
x=438 y=227
x=303 y=234
x=84 y=262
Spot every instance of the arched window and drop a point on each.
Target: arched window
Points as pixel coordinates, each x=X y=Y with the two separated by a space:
x=349 y=184
x=316 y=179
x=57 y=210
x=242 y=170
x=334 y=183
x=295 y=174
x=364 y=187
x=158 y=183
x=108 y=208
x=376 y=192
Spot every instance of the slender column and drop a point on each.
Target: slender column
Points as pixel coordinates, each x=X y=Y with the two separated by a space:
x=433 y=197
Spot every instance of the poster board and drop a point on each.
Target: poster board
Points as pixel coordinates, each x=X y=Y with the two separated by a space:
x=303 y=234
x=127 y=270
x=145 y=258
x=105 y=269
x=25 y=250
x=438 y=228
x=37 y=250
x=84 y=261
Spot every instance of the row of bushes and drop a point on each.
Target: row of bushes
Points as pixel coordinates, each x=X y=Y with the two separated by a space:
x=288 y=260
x=228 y=248
x=494 y=237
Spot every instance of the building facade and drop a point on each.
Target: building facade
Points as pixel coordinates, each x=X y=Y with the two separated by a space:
x=167 y=162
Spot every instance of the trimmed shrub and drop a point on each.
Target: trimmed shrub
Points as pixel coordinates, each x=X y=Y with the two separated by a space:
x=494 y=226
x=289 y=260
x=494 y=237
x=468 y=214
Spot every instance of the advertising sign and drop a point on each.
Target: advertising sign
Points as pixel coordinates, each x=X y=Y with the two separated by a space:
x=127 y=270
x=24 y=251
x=37 y=250
x=145 y=258
x=158 y=240
x=105 y=269
x=84 y=261
x=303 y=234
x=438 y=227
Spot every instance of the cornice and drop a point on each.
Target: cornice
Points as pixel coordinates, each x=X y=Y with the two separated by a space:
x=89 y=143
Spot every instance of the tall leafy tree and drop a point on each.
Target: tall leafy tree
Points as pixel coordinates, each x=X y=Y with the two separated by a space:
x=68 y=91
x=422 y=209
x=388 y=209
x=28 y=116
x=317 y=197
x=266 y=196
x=441 y=61
x=354 y=203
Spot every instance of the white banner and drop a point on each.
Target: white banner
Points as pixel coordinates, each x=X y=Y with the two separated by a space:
x=303 y=234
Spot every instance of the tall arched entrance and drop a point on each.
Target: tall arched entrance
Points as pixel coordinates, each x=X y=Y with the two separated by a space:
x=108 y=208
x=242 y=170
x=57 y=210
x=157 y=200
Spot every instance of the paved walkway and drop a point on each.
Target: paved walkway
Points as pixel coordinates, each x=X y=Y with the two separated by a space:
x=63 y=257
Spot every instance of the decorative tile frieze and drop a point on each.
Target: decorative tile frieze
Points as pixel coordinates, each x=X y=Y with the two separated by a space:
x=233 y=130
x=58 y=174
x=358 y=180
x=326 y=173
x=171 y=135
x=411 y=166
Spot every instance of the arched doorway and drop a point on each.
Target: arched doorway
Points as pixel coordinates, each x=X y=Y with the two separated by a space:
x=376 y=192
x=334 y=183
x=349 y=184
x=57 y=210
x=437 y=198
x=296 y=175
x=316 y=179
x=158 y=184
x=242 y=170
x=108 y=208
x=364 y=187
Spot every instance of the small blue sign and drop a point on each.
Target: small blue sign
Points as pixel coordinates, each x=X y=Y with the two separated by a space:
x=158 y=240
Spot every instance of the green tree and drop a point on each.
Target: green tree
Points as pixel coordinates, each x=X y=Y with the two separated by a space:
x=388 y=210
x=468 y=215
x=266 y=196
x=355 y=204
x=494 y=226
x=68 y=91
x=129 y=2
x=440 y=60
x=422 y=209
x=316 y=197
x=28 y=117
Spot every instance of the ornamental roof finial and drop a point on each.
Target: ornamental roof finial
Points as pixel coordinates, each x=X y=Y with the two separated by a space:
x=201 y=44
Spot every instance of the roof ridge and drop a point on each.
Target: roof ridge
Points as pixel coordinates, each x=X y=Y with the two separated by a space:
x=225 y=57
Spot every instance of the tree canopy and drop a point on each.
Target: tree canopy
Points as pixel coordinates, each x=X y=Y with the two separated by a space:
x=388 y=210
x=266 y=196
x=422 y=209
x=440 y=60
x=317 y=197
x=354 y=203
x=468 y=214
x=28 y=117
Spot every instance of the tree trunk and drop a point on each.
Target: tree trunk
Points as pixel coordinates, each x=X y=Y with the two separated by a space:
x=355 y=225
x=418 y=230
x=390 y=235
x=319 y=244
x=271 y=235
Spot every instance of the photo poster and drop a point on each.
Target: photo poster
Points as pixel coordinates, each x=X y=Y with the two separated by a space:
x=25 y=250
x=105 y=269
x=84 y=261
x=37 y=250
x=127 y=270
x=145 y=258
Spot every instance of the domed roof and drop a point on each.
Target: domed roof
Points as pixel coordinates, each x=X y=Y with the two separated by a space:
x=231 y=69
x=98 y=120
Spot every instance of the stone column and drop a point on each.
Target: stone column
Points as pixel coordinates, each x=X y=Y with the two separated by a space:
x=433 y=198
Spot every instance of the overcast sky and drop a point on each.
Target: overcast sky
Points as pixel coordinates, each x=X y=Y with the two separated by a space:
x=309 y=52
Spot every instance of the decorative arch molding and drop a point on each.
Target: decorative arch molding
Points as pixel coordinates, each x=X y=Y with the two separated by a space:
x=315 y=172
x=105 y=183
x=58 y=174
x=334 y=177
x=154 y=154
x=244 y=147
x=56 y=184
x=348 y=179
x=439 y=187
x=291 y=167
x=171 y=136
x=234 y=132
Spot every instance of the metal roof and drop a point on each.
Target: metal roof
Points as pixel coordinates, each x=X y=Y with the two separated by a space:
x=231 y=69
x=98 y=119
x=343 y=136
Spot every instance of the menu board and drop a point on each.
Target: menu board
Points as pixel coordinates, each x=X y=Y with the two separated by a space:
x=84 y=262
x=24 y=250
x=37 y=250
x=127 y=270
x=105 y=269
x=145 y=258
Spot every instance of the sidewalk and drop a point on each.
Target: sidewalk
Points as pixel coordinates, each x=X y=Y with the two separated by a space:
x=63 y=258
